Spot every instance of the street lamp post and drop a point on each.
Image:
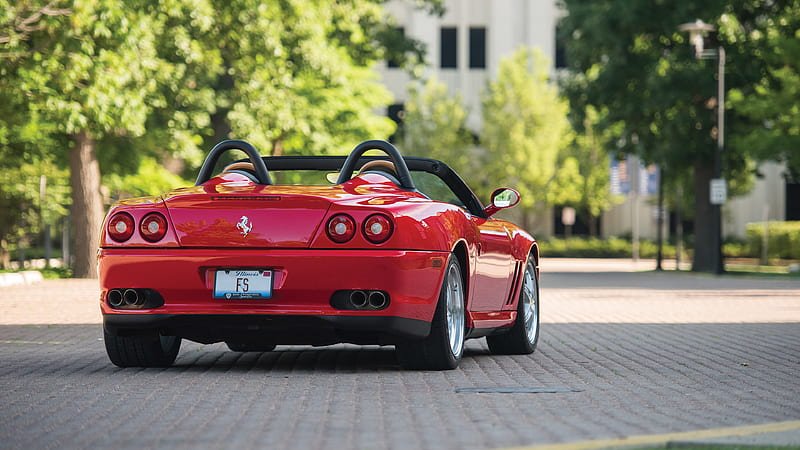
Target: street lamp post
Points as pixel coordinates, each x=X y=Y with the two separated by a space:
x=717 y=190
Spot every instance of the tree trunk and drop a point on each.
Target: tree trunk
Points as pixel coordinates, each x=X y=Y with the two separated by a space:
x=87 y=205
x=5 y=257
x=220 y=125
x=704 y=236
x=526 y=221
x=219 y=119
x=277 y=147
x=592 y=224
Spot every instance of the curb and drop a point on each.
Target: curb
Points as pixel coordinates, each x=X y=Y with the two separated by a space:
x=24 y=277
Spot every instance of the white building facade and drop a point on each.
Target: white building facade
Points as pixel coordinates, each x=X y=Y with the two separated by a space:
x=466 y=44
x=464 y=48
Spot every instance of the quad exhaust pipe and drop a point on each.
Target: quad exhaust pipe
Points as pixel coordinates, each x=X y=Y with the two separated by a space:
x=377 y=299
x=358 y=299
x=130 y=298
x=115 y=298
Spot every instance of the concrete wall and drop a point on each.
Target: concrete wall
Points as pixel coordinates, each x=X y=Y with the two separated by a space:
x=768 y=196
x=621 y=219
x=509 y=24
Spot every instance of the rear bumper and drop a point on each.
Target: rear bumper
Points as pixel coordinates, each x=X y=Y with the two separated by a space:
x=315 y=330
x=304 y=281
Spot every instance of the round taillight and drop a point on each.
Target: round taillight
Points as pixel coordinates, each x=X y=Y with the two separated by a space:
x=341 y=228
x=120 y=227
x=377 y=228
x=153 y=227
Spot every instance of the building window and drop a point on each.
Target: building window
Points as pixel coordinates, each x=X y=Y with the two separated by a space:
x=448 y=51
x=393 y=63
x=792 y=201
x=561 y=50
x=396 y=112
x=477 y=48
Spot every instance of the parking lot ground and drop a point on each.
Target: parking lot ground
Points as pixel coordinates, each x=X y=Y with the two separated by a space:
x=622 y=353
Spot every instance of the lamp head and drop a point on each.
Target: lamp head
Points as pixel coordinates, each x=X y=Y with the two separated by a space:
x=697 y=31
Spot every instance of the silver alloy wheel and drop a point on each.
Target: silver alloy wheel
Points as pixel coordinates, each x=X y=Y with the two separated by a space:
x=530 y=303
x=454 y=297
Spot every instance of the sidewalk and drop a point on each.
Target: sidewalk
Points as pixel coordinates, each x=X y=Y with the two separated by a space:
x=575 y=265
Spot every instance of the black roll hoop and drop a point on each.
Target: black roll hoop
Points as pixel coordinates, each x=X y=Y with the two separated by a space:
x=262 y=174
x=403 y=175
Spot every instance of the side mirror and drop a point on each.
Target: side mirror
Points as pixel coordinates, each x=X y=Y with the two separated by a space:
x=501 y=199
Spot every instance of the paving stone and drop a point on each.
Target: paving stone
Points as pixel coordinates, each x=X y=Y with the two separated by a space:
x=639 y=353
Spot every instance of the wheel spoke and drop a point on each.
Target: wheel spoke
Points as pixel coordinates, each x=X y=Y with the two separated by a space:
x=530 y=303
x=455 y=310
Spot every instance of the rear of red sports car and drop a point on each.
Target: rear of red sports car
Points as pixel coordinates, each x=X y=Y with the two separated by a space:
x=369 y=259
x=234 y=261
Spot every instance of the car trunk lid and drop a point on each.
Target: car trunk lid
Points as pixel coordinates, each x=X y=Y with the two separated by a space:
x=247 y=216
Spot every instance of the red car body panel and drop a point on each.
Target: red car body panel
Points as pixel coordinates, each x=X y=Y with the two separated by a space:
x=288 y=236
x=303 y=281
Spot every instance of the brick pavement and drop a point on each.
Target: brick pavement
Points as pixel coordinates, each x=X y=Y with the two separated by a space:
x=647 y=353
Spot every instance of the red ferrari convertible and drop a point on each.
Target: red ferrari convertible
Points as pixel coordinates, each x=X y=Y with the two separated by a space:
x=299 y=250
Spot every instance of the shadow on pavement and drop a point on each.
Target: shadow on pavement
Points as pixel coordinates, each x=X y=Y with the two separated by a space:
x=44 y=350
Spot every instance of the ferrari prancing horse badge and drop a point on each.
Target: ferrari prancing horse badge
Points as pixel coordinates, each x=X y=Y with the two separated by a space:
x=244 y=225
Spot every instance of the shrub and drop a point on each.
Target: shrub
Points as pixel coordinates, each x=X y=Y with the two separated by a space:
x=783 y=239
x=737 y=249
x=614 y=247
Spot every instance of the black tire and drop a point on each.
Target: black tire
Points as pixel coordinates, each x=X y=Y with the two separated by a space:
x=240 y=347
x=142 y=350
x=435 y=352
x=517 y=340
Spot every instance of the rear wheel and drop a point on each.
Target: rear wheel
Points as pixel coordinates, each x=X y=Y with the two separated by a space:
x=240 y=347
x=142 y=350
x=443 y=347
x=521 y=339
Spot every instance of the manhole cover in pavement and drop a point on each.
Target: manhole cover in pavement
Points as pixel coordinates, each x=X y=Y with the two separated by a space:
x=516 y=390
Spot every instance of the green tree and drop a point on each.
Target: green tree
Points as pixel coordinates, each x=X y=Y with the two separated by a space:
x=124 y=83
x=771 y=106
x=32 y=195
x=525 y=127
x=296 y=75
x=583 y=178
x=89 y=74
x=435 y=126
x=630 y=60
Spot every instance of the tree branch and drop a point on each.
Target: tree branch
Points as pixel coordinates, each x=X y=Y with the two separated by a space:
x=25 y=25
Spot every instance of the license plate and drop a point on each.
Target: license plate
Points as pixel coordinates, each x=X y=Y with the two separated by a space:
x=243 y=284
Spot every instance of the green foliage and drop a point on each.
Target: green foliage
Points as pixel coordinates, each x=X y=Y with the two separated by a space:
x=773 y=105
x=25 y=211
x=151 y=81
x=614 y=247
x=631 y=60
x=297 y=76
x=583 y=179
x=435 y=126
x=736 y=249
x=525 y=128
x=151 y=179
x=94 y=70
x=783 y=239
